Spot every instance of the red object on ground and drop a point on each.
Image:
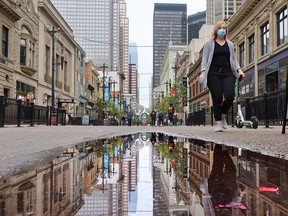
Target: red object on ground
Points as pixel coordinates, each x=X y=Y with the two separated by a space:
x=268 y=189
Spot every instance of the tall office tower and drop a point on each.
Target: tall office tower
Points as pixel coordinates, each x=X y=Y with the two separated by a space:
x=195 y=22
x=133 y=54
x=133 y=60
x=101 y=29
x=124 y=43
x=218 y=10
x=133 y=83
x=169 y=25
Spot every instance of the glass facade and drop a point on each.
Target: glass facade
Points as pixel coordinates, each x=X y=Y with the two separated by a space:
x=92 y=22
x=169 y=24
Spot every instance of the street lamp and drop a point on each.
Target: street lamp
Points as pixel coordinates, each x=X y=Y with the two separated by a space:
x=54 y=63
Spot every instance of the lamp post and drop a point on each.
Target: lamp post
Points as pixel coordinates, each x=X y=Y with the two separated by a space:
x=53 y=31
x=104 y=81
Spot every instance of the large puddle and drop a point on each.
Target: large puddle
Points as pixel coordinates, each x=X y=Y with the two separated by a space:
x=150 y=174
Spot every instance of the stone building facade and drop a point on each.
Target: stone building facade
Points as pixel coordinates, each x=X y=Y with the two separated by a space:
x=19 y=56
x=259 y=32
x=8 y=18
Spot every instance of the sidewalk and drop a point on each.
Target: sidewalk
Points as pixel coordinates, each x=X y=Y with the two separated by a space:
x=24 y=147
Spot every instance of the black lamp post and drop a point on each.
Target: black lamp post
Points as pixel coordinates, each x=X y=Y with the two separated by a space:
x=104 y=77
x=54 y=63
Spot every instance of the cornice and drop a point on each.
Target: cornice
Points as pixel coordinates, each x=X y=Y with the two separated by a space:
x=244 y=12
x=9 y=10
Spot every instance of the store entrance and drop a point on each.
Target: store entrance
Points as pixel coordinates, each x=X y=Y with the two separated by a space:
x=272 y=82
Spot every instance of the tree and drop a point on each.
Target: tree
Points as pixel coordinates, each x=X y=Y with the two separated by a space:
x=178 y=99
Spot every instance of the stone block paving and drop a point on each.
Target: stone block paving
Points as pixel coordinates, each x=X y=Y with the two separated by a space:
x=26 y=147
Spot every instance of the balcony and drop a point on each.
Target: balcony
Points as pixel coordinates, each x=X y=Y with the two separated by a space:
x=28 y=70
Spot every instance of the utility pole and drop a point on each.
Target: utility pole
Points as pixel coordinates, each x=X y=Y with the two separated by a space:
x=53 y=31
x=54 y=63
x=167 y=84
x=113 y=83
x=104 y=78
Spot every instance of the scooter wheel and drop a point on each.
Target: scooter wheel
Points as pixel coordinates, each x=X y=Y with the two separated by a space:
x=238 y=124
x=255 y=122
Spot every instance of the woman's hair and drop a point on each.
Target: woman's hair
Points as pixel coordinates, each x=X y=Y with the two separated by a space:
x=215 y=29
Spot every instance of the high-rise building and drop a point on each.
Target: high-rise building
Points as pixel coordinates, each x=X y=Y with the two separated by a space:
x=133 y=67
x=169 y=26
x=195 y=22
x=133 y=54
x=101 y=29
x=133 y=83
x=218 y=10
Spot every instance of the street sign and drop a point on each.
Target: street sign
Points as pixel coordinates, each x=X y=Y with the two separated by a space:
x=66 y=100
x=85 y=120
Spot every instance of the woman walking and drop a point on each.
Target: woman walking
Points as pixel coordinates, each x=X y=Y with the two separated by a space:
x=219 y=69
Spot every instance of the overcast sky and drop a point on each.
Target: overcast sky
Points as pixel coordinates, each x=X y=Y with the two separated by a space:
x=140 y=14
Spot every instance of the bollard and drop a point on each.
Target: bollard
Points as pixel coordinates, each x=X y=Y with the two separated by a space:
x=204 y=116
x=232 y=115
x=248 y=113
x=19 y=110
x=47 y=116
x=32 y=118
x=266 y=110
x=211 y=115
x=2 y=111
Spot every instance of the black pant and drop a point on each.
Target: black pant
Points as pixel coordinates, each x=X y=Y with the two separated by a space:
x=221 y=85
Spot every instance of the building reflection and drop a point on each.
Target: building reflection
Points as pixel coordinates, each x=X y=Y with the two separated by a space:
x=190 y=177
x=236 y=180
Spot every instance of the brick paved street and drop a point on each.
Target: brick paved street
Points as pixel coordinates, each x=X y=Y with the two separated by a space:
x=29 y=146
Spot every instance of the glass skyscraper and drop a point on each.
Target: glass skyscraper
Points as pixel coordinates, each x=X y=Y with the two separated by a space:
x=169 y=26
x=101 y=29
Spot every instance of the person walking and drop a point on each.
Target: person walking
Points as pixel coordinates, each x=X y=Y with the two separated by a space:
x=130 y=117
x=153 y=117
x=160 y=119
x=219 y=69
x=171 y=111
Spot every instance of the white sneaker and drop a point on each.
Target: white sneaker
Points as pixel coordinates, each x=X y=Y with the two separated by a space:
x=224 y=123
x=218 y=128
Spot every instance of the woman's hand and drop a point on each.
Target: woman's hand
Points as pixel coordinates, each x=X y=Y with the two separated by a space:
x=240 y=73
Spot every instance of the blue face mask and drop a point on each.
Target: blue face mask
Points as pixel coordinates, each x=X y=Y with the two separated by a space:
x=221 y=33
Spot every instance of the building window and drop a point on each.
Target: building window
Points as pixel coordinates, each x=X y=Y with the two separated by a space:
x=23 y=48
x=5 y=34
x=282 y=31
x=27 y=52
x=265 y=39
x=241 y=54
x=47 y=60
x=251 y=48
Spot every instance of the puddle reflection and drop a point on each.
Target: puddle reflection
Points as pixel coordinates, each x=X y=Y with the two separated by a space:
x=150 y=174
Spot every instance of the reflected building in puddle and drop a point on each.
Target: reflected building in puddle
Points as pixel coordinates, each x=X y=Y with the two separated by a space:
x=221 y=180
x=190 y=177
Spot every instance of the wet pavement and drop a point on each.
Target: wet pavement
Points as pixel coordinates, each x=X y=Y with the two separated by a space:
x=27 y=146
x=146 y=174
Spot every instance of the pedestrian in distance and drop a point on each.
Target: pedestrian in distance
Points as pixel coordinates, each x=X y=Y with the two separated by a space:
x=171 y=111
x=219 y=70
x=153 y=117
x=130 y=117
x=160 y=119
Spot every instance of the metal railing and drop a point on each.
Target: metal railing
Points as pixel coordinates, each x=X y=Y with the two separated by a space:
x=17 y=112
x=268 y=108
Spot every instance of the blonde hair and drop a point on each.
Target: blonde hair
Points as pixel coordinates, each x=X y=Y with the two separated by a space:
x=215 y=29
